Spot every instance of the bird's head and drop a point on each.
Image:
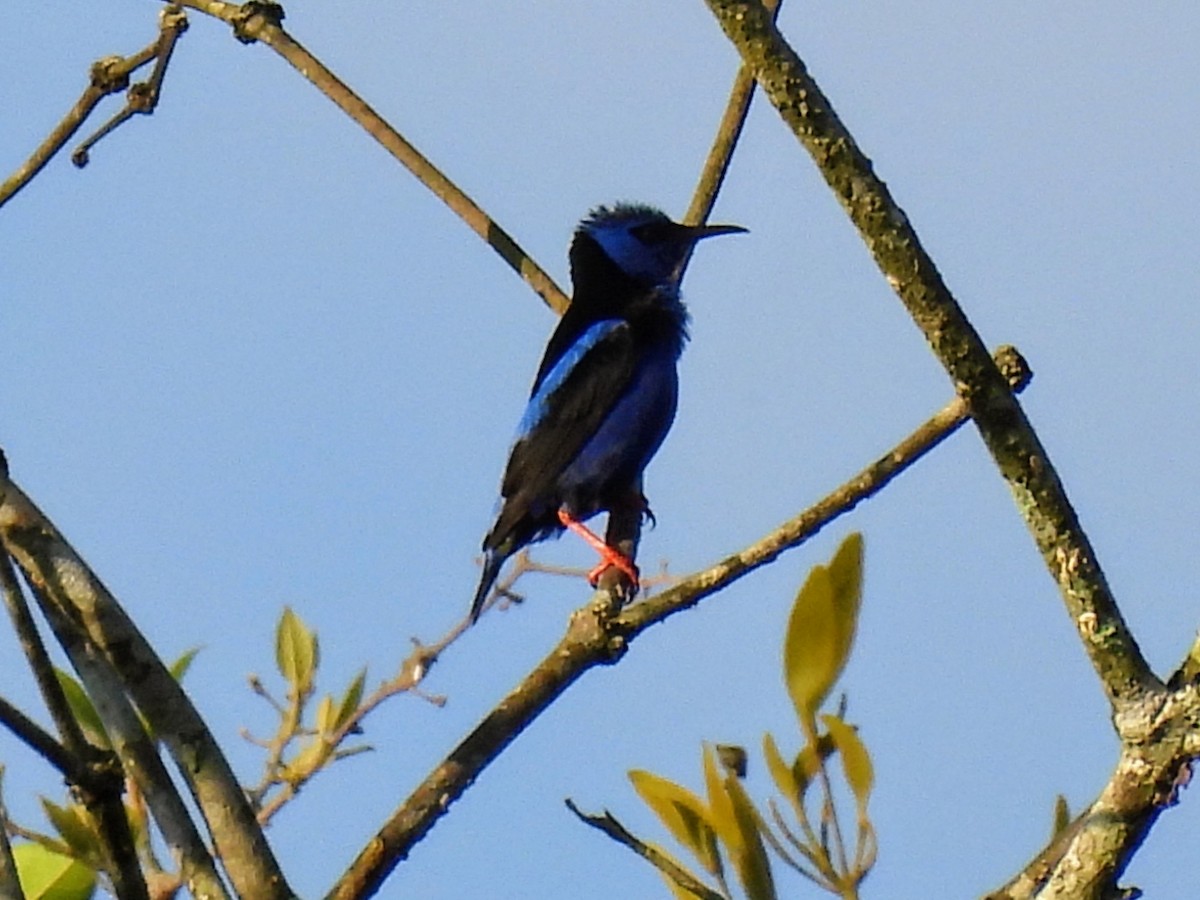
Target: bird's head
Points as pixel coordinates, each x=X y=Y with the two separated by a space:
x=643 y=242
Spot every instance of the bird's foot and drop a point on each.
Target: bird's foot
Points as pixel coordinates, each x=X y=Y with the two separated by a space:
x=609 y=556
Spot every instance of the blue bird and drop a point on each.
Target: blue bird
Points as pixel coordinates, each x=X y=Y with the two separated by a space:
x=605 y=392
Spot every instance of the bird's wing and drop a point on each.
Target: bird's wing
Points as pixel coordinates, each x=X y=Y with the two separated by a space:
x=566 y=408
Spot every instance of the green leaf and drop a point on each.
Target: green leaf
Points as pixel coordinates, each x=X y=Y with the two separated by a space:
x=297 y=653
x=821 y=630
x=72 y=825
x=179 y=668
x=83 y=709
x=856 y=762
x=683 y=814
x=46 y=875
x=750 y=861
x=353 y=697
x=1062 y=816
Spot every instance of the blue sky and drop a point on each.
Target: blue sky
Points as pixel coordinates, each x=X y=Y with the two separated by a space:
x=251 y=362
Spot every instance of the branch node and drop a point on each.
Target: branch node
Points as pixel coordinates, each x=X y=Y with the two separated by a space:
x=1013 y=366
x=252 y=17
x=110 y=75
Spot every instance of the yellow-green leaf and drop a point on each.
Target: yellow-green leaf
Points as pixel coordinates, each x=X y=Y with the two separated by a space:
x=750 y=861
x=311 y=758
x=325 y=716
x=807 y=764
x=781 y=772
x=179 y=668
x=46 y=875
x=856 y=762
x=297 y=653
x=353 y=697
x=821 y=630
x=679 y=893
x=720 y=809
x=683 y=814
x=1062 y=816
x=83 y=710
x=72 y=825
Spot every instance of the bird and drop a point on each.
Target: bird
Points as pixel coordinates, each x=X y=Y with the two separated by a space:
x=606 y=390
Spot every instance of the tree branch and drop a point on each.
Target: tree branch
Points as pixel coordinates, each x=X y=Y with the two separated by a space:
x=142 y=98
x=138 y=754
x=95 y=775
x=108 y=76
x=258 y=21
x=64 y=581
x=595 y=637
x=10 y=886
x=1014 y=446
x=609 y=824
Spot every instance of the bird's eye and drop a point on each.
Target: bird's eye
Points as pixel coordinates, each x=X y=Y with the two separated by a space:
x=652 y=233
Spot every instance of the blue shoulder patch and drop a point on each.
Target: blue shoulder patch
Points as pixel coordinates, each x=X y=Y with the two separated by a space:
x=554 y=379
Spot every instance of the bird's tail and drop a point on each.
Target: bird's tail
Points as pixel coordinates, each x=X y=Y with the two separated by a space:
x=492 y=561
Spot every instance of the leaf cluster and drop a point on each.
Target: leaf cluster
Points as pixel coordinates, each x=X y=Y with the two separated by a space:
x=724 y=831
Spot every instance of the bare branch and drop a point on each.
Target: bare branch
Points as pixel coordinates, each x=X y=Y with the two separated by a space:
x=257 y=21
x=108 y=76
x=1014 y=446
x=142 y=98
x=608 y=824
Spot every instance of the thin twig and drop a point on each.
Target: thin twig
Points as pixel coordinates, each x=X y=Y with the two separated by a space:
x=608 y=824
x=10 y=885
x=40 y=742
x=257 y=21
x=596 y=638
x=729 y=132
x=39 y=662
x=108 y=76
x=142 y=98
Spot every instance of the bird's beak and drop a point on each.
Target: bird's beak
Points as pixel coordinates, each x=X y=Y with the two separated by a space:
x=699 y=232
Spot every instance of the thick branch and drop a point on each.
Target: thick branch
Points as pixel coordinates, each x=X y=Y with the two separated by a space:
x=138 y=754
x=1014 y=446
x=94 y=774
x=595 y=638
x=56 y=572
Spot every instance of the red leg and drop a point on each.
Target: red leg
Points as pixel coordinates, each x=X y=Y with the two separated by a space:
x=608 y=555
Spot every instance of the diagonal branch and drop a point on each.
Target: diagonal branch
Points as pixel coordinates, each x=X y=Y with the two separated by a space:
x=609 y=824
x=259 y=21
x=95 y=775
x=76 y=596
x=138 y=754
x=594 y=637
x=108 y=76
x=1010 y=438
x=142 y=98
